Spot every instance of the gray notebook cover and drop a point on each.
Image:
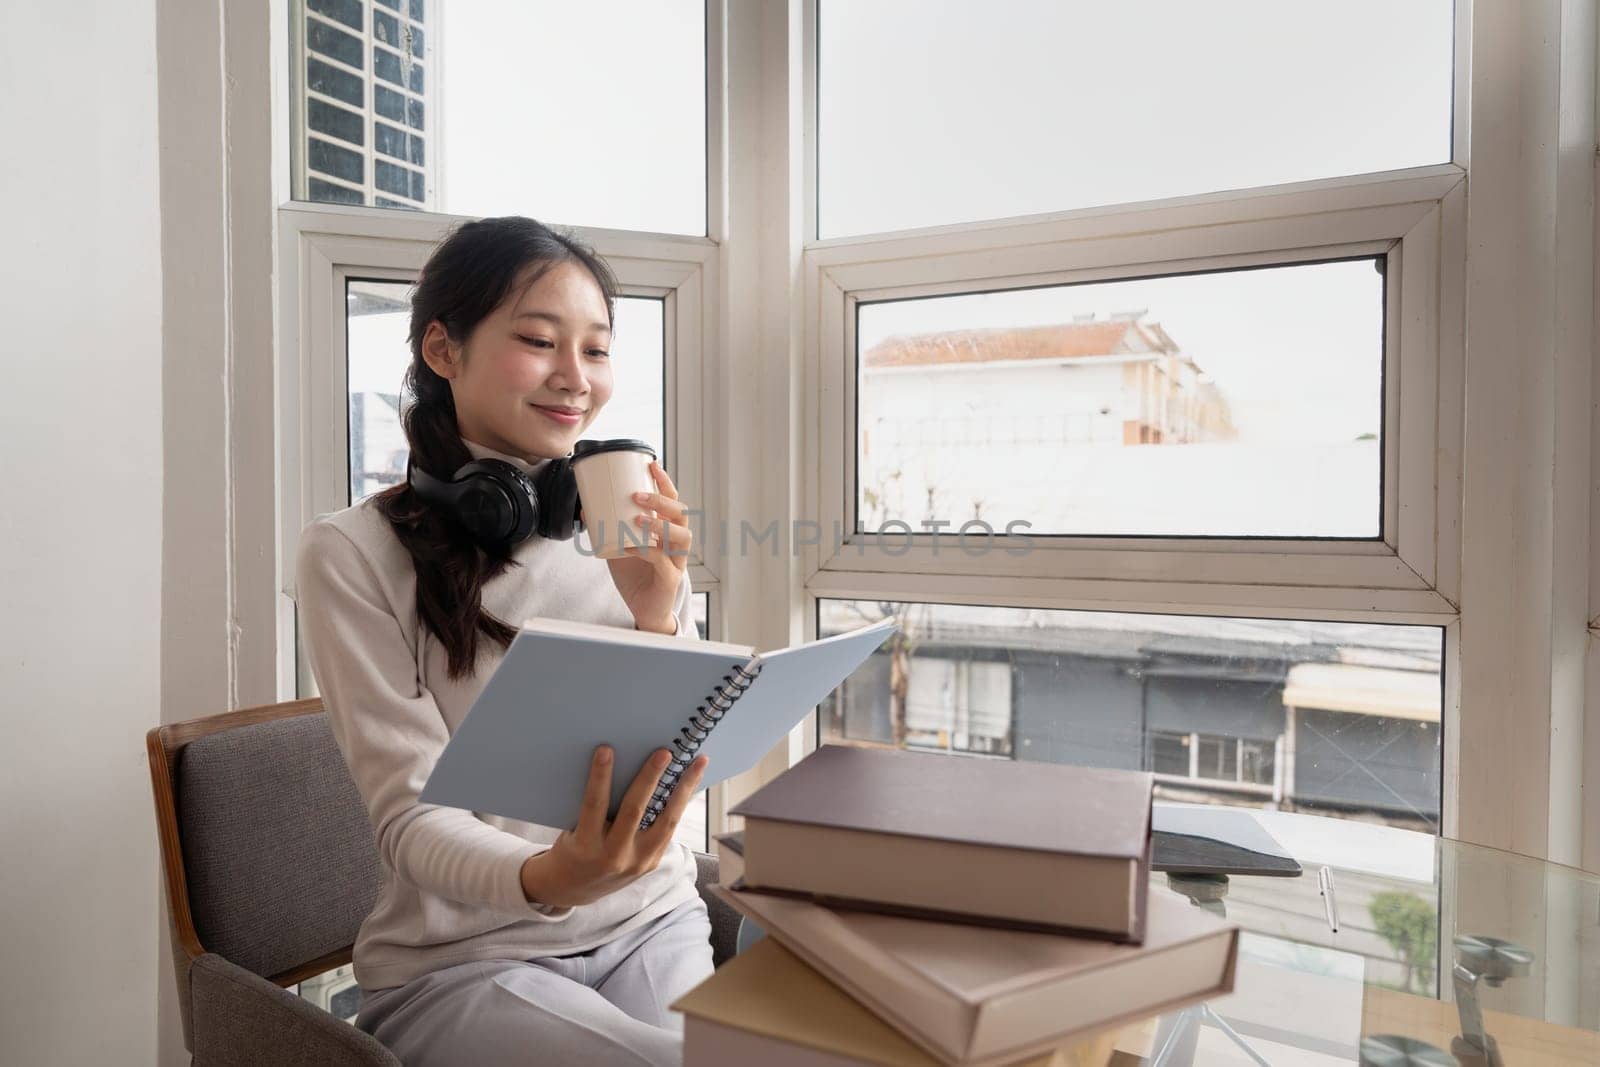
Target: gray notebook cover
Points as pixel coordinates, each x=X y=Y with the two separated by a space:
x=523 y=751
x=1215 y=840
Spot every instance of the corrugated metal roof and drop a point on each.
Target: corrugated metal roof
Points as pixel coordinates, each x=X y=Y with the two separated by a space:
x=1061 y=341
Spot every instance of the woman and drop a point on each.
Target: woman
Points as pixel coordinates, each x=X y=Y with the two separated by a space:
x=494 y=940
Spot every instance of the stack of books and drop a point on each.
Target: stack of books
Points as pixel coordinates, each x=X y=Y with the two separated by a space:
x=923 y=909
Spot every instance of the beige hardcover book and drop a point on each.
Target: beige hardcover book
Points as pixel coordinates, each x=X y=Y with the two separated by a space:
x=1039 y=846
x=969 y=994
x=765 y=1006
x=730 y=857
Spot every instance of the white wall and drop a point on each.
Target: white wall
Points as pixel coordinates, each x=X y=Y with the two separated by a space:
x=80 y=569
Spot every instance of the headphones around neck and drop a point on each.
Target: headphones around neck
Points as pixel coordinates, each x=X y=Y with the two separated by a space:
x=500 y=505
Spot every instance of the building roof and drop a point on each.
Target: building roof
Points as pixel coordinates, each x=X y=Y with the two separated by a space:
x=1393 y=650
x=1069 y=340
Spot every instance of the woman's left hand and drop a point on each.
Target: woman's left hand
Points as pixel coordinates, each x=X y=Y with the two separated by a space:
x=648 y=577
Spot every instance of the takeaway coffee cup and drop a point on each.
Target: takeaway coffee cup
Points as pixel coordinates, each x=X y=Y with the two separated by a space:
x=609 y=473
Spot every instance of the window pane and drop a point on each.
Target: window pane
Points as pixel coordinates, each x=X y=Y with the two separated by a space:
x=1244 y=403
x=1256 y=761
x=693 y=827
x=988 y=700
x=1169 y=753
x=942 y=111
x=1219 y=758
x=506 y=107
x=335 y=992
x=378 y=315
x=702 y=615
x=1354 y=707
x=637 y=407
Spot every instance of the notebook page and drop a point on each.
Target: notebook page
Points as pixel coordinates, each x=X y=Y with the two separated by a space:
x=791 y=683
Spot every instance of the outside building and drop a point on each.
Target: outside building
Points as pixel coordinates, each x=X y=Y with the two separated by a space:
x=363 y=120
x=1337 y=718
x=958 y=425
x=1105 y=381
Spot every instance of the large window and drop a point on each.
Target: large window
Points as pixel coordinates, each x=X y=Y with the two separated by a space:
x=1136 y=356
x=1118 y=349
x=403 y=116
x=947 y=111
x=1244 y=403
x=1337 y=718
x=591 y=114
x=1185 y=288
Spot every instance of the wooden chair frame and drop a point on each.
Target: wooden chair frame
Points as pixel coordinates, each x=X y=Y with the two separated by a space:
x=163 y=743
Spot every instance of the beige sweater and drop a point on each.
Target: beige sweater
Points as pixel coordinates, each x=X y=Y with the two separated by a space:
x=452 y=887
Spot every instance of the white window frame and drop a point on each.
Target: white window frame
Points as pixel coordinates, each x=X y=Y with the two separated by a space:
x=1238 y=784
x=320 y=246
x=1401 y=218
x=332 y=245
x=1410 y=574
x=1509 y=445
x=1482 y=436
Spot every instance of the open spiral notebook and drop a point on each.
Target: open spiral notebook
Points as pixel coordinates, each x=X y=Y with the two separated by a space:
x=523 y=751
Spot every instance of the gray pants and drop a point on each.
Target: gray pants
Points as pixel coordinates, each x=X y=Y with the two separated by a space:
x=602 y=1007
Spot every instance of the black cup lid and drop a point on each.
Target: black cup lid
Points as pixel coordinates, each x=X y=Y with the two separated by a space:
x=614 y=444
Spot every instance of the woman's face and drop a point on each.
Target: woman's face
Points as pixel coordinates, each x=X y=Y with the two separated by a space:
x=533 y=375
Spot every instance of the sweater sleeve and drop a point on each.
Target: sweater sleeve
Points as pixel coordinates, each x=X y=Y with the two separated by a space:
x=683 y=611
x=391 y=732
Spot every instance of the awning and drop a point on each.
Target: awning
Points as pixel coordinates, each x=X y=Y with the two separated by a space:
x=1364 y=691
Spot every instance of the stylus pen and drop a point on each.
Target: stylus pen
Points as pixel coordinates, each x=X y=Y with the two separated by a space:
x=1329 y=905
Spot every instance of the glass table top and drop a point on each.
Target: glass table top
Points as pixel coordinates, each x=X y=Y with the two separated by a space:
x=1426 y=940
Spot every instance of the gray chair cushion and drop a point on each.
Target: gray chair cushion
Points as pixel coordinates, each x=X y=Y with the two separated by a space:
x=724 y=917
x=280 y=858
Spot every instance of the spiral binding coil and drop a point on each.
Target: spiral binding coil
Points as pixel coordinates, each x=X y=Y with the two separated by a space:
x=693 y=735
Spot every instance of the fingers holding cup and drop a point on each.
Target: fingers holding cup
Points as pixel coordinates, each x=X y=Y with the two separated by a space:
x=678 y=536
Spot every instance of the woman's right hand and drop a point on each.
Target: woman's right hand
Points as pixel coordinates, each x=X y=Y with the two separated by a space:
x=600 y=857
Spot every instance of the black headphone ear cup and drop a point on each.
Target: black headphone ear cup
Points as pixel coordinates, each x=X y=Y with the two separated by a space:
x=492 y=499
x=557 y=488
x=485 y=508
x=520 y=499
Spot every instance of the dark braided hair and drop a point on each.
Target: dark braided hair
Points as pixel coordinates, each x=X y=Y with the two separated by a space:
x=464 y=280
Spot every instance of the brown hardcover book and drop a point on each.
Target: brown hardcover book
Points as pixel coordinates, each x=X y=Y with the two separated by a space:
x=970 y=995
x=730 y=857
x=766 y=1007
x=1039 y=846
